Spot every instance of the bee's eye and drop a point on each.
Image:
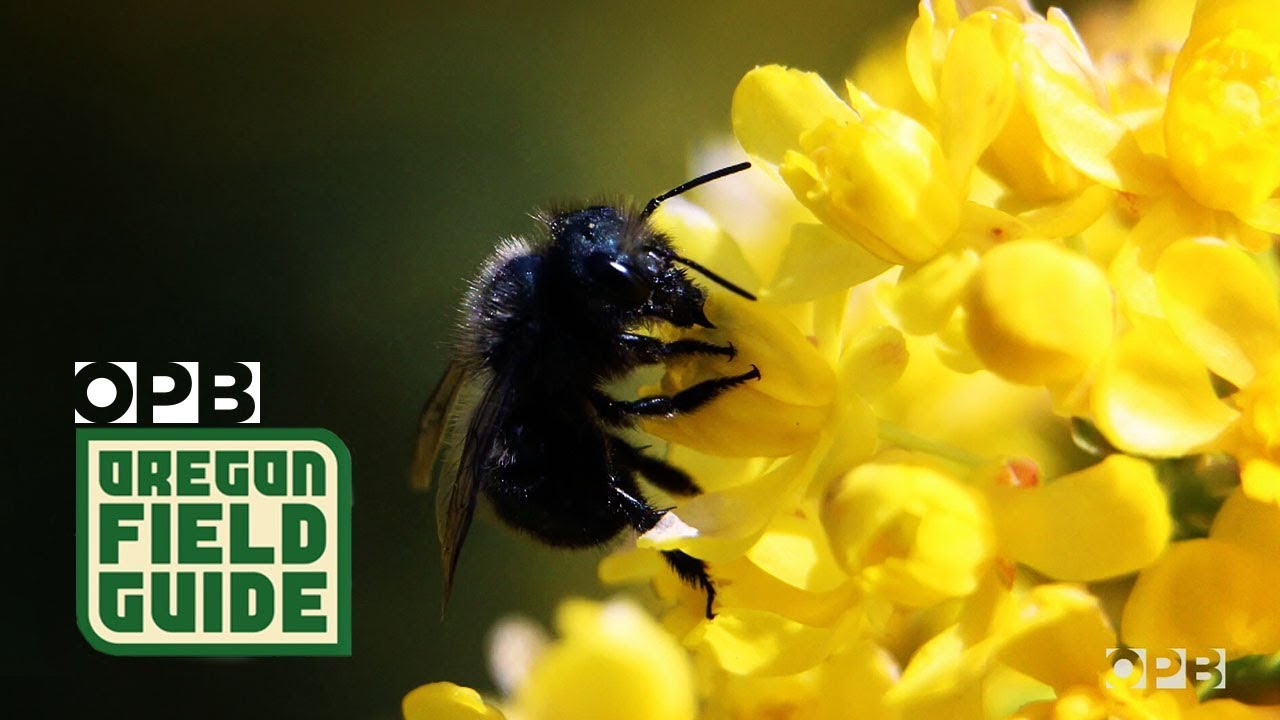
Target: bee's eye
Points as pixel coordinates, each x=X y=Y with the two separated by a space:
x=651 y=264
x=618 y=281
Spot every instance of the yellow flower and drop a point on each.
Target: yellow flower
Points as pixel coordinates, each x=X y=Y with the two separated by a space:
x=778 y=415
x=446 y=701
x=1153 y=397
x=1221 y=315
x=1259 y=446
x=1222 y=304
x=612 y=660
x=1102 y=522
x=871 y=173
x=1031 y=70
x=1038 y=314
x=913 y=534
x=636 y=671
x=1222 y=125
x=1010 y=289
x=1179 y=601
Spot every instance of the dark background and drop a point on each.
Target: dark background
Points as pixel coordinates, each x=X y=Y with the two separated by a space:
x=309 y=185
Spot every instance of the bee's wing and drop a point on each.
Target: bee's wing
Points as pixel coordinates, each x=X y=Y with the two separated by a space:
x=433 y=423
x=456 y=502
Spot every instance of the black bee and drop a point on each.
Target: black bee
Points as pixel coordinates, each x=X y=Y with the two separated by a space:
x=545 y=325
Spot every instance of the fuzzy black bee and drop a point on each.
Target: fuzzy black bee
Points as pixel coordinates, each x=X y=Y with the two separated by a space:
x=544 y=327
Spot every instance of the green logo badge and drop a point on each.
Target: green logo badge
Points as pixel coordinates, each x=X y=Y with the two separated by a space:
x=202 y=541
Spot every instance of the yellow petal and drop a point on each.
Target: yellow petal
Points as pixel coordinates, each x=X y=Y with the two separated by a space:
x=446 y=701
x=880 y=181
x=1222 y=304
x=926 y=46
x=613 y=661
x=721 y=525
x=912 y=534
x=1024 y=155
x=853 y=682
x=1206 y=594
x=1264 y=216
x=1249 y=523
x=753 y=642
x=1133 y=267
x=742 y=423
x=1060 y=647
x=754 y=208
x=1038 y=313
x=1001 y=418
x=1022 y=160
x=743 y=585
x=817 y=262
x=976 y=87
x=778 y=414
x=1152 y=397
x=1076 y=127
x=1260 y=480
x=927 y=295
x=940 y=681
x=1079 y=703
x=794 y=549
x=874 y=360
x=1257 y=440
x=1054 y=631
x=982 y=227
x=1104 y=521
x=629 y=565
x=1070 y=216
x=774 y=105
x=1222 y=124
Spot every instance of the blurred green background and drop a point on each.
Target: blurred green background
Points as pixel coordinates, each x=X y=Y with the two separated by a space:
x=309 y=185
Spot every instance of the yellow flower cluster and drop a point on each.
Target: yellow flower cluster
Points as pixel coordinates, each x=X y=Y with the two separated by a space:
x=1019 y=332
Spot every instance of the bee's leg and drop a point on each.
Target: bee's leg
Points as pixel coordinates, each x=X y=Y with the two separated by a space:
x=655 y=470
x=693 y=571
x=649 y=350
x=643 y=517
x=687 y=400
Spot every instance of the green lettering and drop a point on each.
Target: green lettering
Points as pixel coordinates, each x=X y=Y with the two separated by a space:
x=120 y=610
x=191 y=468
x=269 y=472
x=111 y=532
x=302 y=533
x=241 y=551
x=161 y=533
x=153 y=472
x=182 y=619
x=212 y=602
x=231 y=472
x=115 y=472
x=252 y=602
x=191 y=533
x=294 y=601
x=308 y=473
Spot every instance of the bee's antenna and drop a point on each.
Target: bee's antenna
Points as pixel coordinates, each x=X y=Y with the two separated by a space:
x=714 y=277
x=686 y=187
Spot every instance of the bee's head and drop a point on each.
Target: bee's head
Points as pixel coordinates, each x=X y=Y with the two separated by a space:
x=620 y=264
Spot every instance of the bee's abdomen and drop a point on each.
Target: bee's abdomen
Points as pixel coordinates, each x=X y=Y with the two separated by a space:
x=556 y=479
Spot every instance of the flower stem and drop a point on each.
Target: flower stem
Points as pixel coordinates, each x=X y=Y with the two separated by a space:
x=908 y=440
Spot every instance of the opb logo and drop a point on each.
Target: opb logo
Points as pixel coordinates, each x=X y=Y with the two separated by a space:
x=218 y=393
x=1130 y=667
